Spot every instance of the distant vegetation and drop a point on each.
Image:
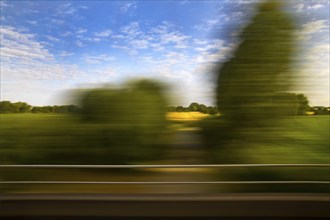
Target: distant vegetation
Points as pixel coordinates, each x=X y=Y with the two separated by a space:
x=115 y=126
x=292 y=105
x=22 y=107
x=195 y=107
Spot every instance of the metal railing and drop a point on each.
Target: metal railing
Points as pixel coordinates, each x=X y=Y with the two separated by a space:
x=167 y=166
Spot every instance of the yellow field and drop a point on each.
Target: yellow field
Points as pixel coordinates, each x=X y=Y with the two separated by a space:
x=185 y=116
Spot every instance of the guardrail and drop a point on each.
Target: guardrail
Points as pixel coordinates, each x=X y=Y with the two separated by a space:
x=165 y=166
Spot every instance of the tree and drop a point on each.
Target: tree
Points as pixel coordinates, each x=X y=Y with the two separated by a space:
x=125 y=124
x=17 y=107
x=193 y=107
x=179 y=109
x=5 y=107
x=290 y=104
x=302 y=104
x=247 y=82
x=203 y=109
x=258 y=69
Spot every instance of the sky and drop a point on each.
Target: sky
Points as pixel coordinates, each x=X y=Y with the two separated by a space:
x=51 y=47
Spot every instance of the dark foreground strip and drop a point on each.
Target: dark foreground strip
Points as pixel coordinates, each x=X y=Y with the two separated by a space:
x=228 y=206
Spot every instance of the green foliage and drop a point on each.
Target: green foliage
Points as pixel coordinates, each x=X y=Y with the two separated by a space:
x=22 y=107
x=251 y=85
x=258 y=70
x=194 y=107
x=320 y=110
x=127 y=122
x=56 y=109
x=116 y=126
x=179 y=109
x=17 y=107
x=290 y=104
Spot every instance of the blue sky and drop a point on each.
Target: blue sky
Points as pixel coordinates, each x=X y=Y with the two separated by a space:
x=49 y=47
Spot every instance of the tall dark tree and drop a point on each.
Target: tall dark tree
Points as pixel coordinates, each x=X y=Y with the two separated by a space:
x=259 y=68
x=246 y=84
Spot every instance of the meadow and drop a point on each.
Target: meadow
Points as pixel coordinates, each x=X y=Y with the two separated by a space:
x=302 y=139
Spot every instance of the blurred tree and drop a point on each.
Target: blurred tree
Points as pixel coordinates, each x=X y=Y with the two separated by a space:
x=258 y=69
x=193 y=107
x=247 y=83
x=5 y=107
x=302 y=104
x=17 y=107
x=290 y=104
x=203 y=109
x=179 y=109
x=125 y=124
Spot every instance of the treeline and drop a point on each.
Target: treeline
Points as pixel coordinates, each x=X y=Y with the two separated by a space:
x=194 y=107
x=22 y=107
x=319 y=110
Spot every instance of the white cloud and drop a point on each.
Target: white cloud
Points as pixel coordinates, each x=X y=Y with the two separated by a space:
x=94 y=39
x=299 y=7
x=200 y=42
x=79 y=43
x=208 y=24
x=24 y=58
x=67 y=33
x=207 y=46
x=315 y=7
x=128 y=7
x=81 y=31
x=98 y=59
x=4 y=4
x=104 y=33
x=311 y=28
x=51 y=38
x=38 y=71
x=139 y=44
x=32 y=22
x=66 y=54
x=131 y=30
x=21 y=46
x=57 y=21
x=66 y=9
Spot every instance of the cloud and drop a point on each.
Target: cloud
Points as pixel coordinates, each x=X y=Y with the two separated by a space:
x=51 y=38
x=214 y=45
x=131 y=30
x=315 y=7
x=4 y=4
x=57 y=21
x=208 y=25
x=80 y=44
x=66 y=54
x=133 y=38
x=16 y=45
x=81 y=31
x=299 y=7
x=32 y=22
x=313 y=27
x=38 y=71
x=104 y=33
x=98 y=59
x=67 y=9
x=23 y=57
x=128 y=7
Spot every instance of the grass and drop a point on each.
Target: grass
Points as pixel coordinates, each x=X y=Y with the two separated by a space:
x=302 y=139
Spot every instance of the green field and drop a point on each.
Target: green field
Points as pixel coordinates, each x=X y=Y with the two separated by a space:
x=303 y=139
x=45 y=138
